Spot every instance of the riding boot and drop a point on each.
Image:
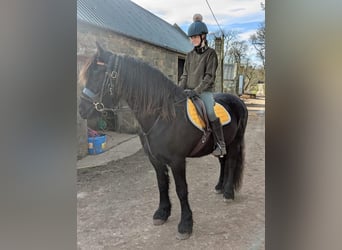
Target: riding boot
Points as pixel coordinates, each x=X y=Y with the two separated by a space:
x=220 y=146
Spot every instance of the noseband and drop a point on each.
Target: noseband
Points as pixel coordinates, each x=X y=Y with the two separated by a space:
x=106 y=87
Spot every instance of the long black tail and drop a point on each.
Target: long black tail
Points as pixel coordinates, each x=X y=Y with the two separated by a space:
x=240 y=146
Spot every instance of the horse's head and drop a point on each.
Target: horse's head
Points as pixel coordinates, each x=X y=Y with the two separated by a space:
x=98 y=77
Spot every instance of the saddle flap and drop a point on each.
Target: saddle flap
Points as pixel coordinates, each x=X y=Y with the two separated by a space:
x=199 y=122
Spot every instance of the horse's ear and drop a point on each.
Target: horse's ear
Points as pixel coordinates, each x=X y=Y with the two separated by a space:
x=99 y=49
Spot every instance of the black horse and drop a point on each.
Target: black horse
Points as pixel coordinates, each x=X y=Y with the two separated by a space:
x=166 y=134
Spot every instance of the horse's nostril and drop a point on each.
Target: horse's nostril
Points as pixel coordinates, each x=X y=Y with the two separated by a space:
x=82 y=114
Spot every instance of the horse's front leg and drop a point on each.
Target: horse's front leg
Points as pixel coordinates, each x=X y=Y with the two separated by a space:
x=164 y=210
x=186 y=223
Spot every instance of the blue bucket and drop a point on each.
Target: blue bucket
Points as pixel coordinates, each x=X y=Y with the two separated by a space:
x=96 y=144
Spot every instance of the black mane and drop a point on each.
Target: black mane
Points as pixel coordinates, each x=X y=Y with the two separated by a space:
x=146 y=89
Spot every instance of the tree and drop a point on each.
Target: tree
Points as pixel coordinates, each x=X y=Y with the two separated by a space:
x=229 y=37
x=253 y=76
x=238 y=51
x=258 y=41
x=249 y=73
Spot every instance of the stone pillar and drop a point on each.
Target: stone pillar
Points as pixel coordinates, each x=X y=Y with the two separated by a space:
x=82 y=126
x=219 y=46
x=82 y=132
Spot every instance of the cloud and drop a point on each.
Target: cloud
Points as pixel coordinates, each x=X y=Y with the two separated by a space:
x=246 y=35
x=226 y=11
x=242 y=16
x=238 y=9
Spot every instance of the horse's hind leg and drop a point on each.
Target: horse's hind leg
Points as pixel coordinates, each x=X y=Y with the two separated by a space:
x=225 y=183
x=186 y=222
x=219 y=185
x=164 y=210
x=228 y=189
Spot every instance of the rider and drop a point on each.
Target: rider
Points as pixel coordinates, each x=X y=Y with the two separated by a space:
x=199 y=77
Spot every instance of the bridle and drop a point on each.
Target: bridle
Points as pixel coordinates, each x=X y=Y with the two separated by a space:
x=107 y=86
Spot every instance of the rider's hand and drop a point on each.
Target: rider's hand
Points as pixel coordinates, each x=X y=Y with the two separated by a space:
x=190 y=93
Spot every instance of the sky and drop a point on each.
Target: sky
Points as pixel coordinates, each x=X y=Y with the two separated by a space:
x=243 y=16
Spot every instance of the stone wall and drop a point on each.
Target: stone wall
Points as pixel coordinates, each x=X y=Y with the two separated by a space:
x=163 y=59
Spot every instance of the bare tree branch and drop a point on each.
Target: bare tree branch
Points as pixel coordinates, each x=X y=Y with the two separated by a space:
x=258 y=41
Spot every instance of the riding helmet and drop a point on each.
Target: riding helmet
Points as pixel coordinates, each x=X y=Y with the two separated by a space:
x=197 y=27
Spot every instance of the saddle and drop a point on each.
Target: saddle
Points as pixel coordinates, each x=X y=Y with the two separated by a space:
x=197 y=115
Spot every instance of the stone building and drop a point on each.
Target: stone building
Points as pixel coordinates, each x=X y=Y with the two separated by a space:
x=123 y=27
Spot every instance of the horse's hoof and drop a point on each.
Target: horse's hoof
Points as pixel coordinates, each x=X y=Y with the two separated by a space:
x=218 y=191
x=158 y=222
x=228 y=195
x=184 y=236
x=227 y=200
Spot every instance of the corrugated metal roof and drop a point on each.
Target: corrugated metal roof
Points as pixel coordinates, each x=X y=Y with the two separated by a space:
x=127 y=18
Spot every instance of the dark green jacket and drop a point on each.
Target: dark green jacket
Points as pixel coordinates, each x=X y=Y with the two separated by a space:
x=199 y=71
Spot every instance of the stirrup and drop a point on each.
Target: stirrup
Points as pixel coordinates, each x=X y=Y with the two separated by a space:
x=219 y=151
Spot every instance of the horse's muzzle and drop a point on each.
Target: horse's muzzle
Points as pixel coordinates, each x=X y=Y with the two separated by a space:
x=85 y=110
